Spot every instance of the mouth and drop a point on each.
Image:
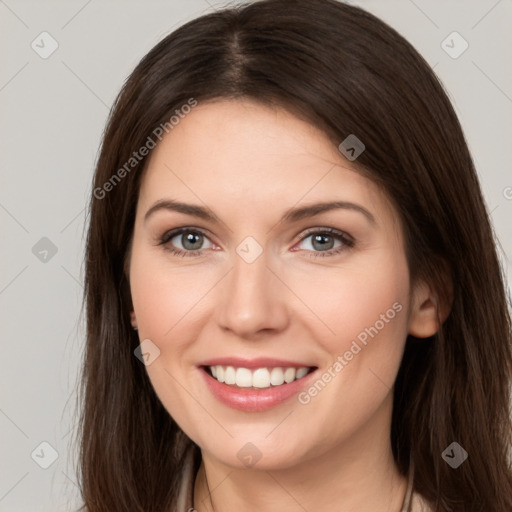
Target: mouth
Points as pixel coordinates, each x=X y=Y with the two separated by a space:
x=257 y=385
x=257 y=378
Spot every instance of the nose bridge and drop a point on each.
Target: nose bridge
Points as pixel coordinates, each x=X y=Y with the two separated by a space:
x=251 y=299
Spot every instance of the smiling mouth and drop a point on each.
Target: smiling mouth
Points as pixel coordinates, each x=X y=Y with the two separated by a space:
x=257 y=378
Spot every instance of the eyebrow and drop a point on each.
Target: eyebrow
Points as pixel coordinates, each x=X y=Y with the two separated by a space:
x=290 y=215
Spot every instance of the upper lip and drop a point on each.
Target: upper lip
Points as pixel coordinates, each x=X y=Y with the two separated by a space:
x=259 y=362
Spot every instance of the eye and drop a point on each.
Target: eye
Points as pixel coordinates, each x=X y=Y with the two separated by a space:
x=322 y=242
x=184 y=242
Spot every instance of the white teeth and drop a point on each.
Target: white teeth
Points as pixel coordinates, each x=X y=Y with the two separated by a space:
x=243 y=378
x=289 y=375
x=258 y=378
x=276 y=376
x=261 y=378
x=229 y=375
x=301 y=372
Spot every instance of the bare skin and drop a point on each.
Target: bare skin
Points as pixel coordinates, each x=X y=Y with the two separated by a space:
x=248 y=164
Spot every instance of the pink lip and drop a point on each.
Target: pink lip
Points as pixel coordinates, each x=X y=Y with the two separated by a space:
x=259 y=362
x=250 y=399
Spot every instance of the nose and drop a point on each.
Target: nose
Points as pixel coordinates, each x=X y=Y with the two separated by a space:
x=252 y=299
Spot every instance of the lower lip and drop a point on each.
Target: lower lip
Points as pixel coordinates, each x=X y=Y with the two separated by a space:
x=254 y=400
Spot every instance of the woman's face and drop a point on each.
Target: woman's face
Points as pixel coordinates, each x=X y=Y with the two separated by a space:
x=261 y=288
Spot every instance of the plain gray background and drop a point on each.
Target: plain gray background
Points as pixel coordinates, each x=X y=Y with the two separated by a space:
x=53 y=114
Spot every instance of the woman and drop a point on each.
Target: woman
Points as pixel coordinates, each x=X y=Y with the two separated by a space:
x=292 y=290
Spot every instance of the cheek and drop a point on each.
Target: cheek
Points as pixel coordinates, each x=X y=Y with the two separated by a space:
x=162 y=295
x=363 y=331
x=163 y=300
x=349 y=304
x=366 y=312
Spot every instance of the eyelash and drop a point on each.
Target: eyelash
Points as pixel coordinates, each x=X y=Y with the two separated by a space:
x=347 y=242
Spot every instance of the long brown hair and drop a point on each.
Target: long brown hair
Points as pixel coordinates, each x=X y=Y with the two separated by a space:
x=347 y=72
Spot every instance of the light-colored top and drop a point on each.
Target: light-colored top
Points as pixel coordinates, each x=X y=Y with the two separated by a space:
x=413 y=502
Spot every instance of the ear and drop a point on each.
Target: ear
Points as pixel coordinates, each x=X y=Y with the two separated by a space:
x=126 y=284
x=133 y=320
x=427 y=312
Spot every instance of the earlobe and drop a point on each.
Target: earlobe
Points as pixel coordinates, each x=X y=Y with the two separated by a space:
x=427 y=311
x=133 y=320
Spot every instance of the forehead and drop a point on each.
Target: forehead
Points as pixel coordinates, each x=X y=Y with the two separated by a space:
x=246 y=157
